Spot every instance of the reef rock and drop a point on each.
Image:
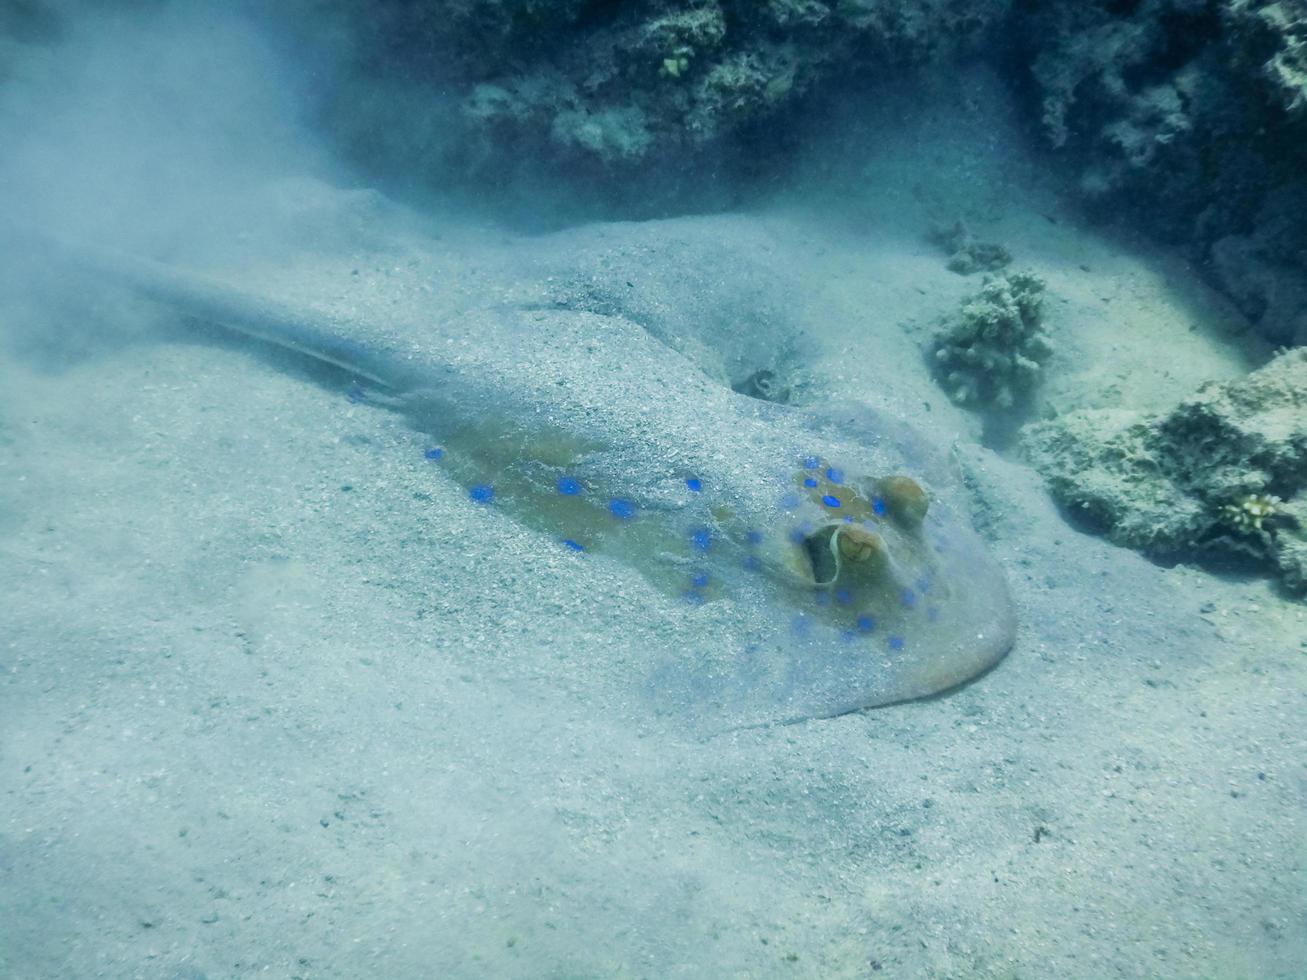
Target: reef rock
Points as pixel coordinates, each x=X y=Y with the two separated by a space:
x=1223 y=473
x=619 y=85
x=1187 y=119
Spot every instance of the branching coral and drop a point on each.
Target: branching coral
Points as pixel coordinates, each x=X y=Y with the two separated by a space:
x=993 y=352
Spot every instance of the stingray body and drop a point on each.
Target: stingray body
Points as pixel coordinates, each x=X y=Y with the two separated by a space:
x=829 y=535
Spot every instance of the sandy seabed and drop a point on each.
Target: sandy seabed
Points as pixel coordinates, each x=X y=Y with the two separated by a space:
x=276 y=698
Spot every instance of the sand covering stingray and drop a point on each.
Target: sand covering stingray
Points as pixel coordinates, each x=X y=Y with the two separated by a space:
x=829 y=533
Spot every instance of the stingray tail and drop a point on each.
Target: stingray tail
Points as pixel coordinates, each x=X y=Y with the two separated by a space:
x=215 y=302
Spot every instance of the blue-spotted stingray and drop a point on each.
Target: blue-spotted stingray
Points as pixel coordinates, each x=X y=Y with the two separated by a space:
x=828 y=534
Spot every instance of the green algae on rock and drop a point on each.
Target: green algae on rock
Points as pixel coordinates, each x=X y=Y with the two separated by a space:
x=1225 y=472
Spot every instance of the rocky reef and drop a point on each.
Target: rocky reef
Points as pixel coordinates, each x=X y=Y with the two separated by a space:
x=1222 y=474
x=1189 y=119
x=612 y=89
x=992 y=353
x=1185 y=118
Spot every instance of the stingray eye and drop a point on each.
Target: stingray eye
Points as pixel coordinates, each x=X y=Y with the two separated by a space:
x=905 y=500
x=859 y=545
x=845 y=546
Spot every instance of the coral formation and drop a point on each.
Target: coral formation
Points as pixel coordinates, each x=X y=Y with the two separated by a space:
x=570 y=79
x=1223 y=472
x=966 y=254
x=993 y=352
x=1250 y=513
x=1188 y=117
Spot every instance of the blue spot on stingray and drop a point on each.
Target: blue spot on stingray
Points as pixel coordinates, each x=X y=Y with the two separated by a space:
x=622 y=509
x=923 y=584
x=896 y=643
x=568 y=487
x=796 y=535
x=908 y=598
x=809 y=481
x=878 y=506
x=830 y=501
x=699 y=580
x=811 y=462
x=788 y=501
x=865 y=623
x=694 y=484
x=355 y=395
x=692 y=597
x=835 y=475
x=569 y=543
x=435 y=452
x=482 y=493
x=752 y=564
x=701 y=539
x=754 y=537
x=843 y=596
x=800 y=625
x=848 y=520
x=848 y=636
x=821 y=597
